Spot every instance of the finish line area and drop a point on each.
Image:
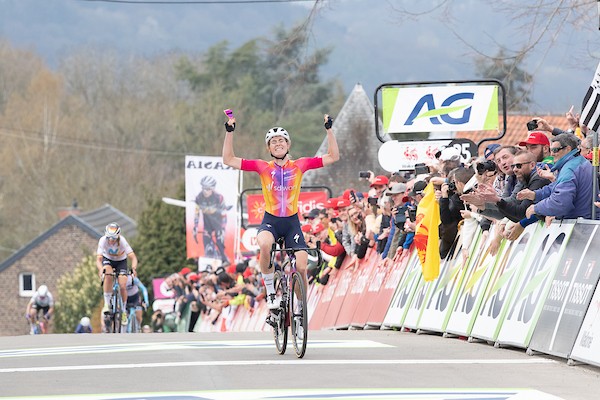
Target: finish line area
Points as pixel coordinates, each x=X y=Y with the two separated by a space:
x=338 y=365
x=312 y=394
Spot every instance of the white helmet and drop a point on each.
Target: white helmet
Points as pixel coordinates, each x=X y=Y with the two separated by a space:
x=85 y=322
x=112 y=230
x=277 y=131
x=42 y=291
x=208 y=182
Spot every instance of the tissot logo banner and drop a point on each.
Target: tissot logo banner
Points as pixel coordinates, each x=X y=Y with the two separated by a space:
x=570 y=293
x=440 y=108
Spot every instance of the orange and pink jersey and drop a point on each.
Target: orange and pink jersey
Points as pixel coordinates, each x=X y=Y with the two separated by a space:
x=281 y=185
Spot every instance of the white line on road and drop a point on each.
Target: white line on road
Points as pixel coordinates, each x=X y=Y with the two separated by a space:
x=192 y=345
x=179 y=364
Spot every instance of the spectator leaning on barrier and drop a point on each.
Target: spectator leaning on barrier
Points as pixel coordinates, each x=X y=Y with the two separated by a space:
x=525 y=172
x=570 y=195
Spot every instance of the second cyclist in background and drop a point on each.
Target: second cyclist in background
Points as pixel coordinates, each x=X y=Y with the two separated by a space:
x=134 y=286
x=112 y=254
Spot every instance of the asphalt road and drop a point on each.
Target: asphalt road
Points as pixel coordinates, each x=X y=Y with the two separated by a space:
x=338 y=364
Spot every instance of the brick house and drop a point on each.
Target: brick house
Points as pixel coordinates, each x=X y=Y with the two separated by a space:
x=47 y=258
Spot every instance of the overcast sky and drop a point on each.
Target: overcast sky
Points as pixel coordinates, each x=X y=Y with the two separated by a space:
x=375 y=41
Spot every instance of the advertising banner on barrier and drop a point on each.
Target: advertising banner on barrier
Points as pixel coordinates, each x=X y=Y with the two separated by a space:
x=497 y=295
x=357 y=296
x=385 y=290
x=417 y=303
x=394 y=318
x=325 y=297
x=472 y=289
x=570 y=293
x=587 y=345
x=346 y=279
x=533 y=284
x=444 y=291
x=211 y=192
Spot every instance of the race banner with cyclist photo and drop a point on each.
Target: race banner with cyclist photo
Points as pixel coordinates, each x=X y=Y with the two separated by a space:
x=211 y=192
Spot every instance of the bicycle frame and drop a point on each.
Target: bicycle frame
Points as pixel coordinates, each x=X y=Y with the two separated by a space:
x=133 y=325
x=291 y=285
x=112 y=321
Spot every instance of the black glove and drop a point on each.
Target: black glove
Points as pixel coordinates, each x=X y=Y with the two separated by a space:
x=229 y=128
x=329 y=123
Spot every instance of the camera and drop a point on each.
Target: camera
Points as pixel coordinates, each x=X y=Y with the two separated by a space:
x=451 y=187
x=412 y=214
x=488 y=165
x=372 y=201
x=532 y=125
x=364 y=174
x=421 y=168
x=400 y=217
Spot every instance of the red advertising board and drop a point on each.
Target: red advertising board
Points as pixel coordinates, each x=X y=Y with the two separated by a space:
x=255 y=205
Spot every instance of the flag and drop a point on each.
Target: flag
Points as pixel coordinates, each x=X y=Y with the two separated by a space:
x=590 y=112
x=427 y=235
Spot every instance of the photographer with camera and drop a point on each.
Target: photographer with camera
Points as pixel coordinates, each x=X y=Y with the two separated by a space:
x=396 y=234
x=504 y=159
x=451 y=206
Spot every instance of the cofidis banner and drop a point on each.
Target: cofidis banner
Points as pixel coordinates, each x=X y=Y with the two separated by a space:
x=440 y=108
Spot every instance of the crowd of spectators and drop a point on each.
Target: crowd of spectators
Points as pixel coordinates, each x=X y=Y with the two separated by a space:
x=207 y=292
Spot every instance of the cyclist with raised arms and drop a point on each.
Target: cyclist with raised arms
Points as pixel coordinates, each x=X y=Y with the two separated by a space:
x=111 y=258
x=280 y=180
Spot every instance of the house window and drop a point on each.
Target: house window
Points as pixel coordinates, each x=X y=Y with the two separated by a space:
x=26 y=284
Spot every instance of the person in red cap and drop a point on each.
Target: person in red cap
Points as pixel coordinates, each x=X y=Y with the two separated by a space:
x=538 y=144
x=280 y=180
x=379 y=184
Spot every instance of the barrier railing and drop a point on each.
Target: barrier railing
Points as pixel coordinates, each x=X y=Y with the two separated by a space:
x=534 y=293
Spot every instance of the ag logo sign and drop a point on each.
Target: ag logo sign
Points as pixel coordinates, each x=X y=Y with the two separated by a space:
x=440 y=108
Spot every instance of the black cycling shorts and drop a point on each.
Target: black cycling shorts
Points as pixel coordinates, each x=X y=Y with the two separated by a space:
x=134 y=300
x=285 y=227
x=119 y=267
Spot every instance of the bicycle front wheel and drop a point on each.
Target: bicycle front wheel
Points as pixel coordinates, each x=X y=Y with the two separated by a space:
x=279 y=316
x=299 y=314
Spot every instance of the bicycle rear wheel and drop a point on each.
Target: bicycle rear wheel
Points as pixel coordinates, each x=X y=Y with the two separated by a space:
x=299 y=320
x=117 y=322
x=279 y=316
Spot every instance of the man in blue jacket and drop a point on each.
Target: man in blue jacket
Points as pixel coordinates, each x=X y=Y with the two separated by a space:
x=570 y=195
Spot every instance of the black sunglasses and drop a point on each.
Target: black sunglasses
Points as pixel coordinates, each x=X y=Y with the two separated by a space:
x=517 y=165
x=556 y=149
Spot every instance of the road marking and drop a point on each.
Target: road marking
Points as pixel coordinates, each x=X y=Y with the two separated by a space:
x=304 y=394
x=169 y=346
x=179 y=364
